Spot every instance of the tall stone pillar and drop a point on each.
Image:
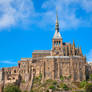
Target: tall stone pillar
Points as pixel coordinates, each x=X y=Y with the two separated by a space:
x=84 y=73
x=61 y=43
x=53 y=69
x=69 y=49
x=72 y=69
x=66 y=51
x=78 y=68
x=58 y=68
x=53 y=44
x=43 y=71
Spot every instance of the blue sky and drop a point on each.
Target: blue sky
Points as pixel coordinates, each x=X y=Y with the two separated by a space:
x=27 y=25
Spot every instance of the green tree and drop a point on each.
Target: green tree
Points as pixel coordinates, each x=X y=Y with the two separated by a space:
x=11 y=88
x=88 y=87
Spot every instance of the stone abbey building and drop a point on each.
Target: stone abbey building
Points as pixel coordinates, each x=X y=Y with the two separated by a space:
x=64 y=59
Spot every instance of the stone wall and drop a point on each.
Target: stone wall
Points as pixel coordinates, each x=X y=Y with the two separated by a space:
x=0 y=75
x=54 y=67
x=1 y=86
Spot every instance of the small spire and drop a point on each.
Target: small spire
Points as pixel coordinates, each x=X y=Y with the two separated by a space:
x=73 y=44
x=56 y=17
x=78 y=47
x=80 y=51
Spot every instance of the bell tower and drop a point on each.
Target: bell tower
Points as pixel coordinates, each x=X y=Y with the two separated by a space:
x=57 y=39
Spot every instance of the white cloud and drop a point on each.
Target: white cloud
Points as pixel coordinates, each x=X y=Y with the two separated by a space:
x=7 y=62
x=13 y=11
x=89 y=56
x=87 y=5
x=67 y=12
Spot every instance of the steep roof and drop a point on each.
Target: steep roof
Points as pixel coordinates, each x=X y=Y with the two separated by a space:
x=57 y=35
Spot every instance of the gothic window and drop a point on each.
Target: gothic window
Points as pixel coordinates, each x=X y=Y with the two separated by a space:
x=55 y=44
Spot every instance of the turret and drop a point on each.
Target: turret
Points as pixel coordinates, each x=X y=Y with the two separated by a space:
x=80 y=52
x=69 y=49
x=73 y=48
x=57 y=39
x=73 y=44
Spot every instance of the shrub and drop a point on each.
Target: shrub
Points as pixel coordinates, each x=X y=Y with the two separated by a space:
x=65 y=87
x=40 y=77
x=90 y=77
x=23 y=81
x=83 y=84
x=11 y=88
x=49 y=80
x=61 y=78
x=31 y=91
x=52 y=87
x=54 y=82
x=25 y=91
x=61 y=85
x=69 y=77
x=88 y=87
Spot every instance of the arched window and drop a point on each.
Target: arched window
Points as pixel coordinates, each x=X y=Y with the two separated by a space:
x=54 y=43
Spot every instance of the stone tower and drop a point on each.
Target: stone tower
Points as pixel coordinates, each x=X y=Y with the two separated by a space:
x=57 y=41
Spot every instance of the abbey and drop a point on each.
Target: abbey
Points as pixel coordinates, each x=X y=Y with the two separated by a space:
x=64 y=59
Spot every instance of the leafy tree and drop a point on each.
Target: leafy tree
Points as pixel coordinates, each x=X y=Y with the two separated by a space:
x=11 y=88
x=88 y=87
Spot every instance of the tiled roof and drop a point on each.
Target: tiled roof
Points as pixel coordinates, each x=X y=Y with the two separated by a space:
x=41 y=51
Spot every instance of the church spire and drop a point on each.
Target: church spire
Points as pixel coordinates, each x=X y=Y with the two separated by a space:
x=57 y=34
x=57 y=24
